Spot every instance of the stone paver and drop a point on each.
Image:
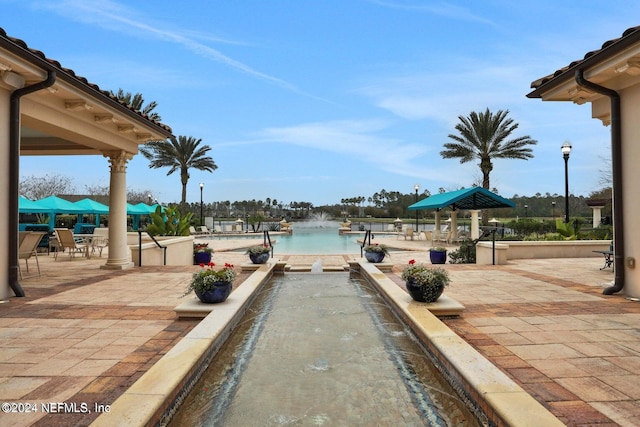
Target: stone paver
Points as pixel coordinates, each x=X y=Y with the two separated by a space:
x=84 y=334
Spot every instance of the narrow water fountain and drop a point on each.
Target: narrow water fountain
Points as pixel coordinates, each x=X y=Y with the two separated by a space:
x=322 y=349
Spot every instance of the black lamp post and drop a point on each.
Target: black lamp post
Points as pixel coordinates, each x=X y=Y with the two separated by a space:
x=566 y=150
x=416 y=187
x=553 y=210
x=201 y=216
x=526 y=211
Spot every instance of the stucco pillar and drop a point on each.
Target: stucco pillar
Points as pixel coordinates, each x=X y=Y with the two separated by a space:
x=437 y=227
x=475 y=224
x=5 y=289
x=454 y=225
x=597 y=215
x=119 y=258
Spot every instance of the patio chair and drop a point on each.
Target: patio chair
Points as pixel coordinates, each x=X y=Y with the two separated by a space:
x=217 y=229
x=193 y=231
x=205 y=230
x=29 y=247
x=67 y=241
x=408 y=232
x=99 y=240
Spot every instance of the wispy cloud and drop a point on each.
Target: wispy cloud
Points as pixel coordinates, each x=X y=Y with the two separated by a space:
x=117 y=17
x=443 y=96
x=441 y=9
x=360 y=140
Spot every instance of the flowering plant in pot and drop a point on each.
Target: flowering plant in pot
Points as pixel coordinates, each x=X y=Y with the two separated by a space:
x=201 y=253
x=375 y=252
x=259 y=254
x=211 y=285
x=425 y=284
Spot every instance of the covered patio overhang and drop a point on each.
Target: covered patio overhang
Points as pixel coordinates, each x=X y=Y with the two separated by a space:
x=46 y=109
x=473 y=199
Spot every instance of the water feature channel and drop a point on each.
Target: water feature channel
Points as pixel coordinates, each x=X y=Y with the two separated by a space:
x=321 y=349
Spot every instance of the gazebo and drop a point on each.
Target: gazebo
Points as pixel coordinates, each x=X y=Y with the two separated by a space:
x=473 y=199
x=47 y=109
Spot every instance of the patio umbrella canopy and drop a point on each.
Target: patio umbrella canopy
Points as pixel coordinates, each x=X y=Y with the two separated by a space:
x=468 y=198
x=57 y=205
x=89 y=206
x=29 y=206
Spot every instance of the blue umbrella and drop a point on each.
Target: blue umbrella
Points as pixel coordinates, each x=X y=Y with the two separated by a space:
x=90 y=206
x=55 y=204
x=29 y=206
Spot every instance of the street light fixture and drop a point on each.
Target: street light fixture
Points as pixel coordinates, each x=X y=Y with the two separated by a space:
x=201 y=216
x=416 y=187
x=526 y=211
x=566 y=150
x=553 y=210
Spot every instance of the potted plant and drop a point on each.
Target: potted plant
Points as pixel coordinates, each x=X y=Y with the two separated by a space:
x=211 y=285
x=259 y=254
x=423 y=283
x=376 y=252
x=201 y=253
x=438 y=255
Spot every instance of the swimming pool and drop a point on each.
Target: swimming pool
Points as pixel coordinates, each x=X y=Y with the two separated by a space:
x=322 y=349
x=317 y=241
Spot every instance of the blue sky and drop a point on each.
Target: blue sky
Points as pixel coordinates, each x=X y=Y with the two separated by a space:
x=318 y=101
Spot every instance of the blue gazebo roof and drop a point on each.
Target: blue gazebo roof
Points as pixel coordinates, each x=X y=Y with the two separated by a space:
x=467 y=198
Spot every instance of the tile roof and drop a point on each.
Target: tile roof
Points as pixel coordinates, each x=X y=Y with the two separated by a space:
x=609 y=48
x=19 y=47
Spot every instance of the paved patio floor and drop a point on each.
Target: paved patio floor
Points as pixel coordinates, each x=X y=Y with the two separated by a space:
x=83 y=335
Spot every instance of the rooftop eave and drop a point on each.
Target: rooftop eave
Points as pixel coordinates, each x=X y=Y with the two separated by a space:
x=610 y=66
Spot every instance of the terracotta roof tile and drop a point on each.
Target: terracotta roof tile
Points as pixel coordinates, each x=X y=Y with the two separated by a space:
x=628 y=33
x=21 y=44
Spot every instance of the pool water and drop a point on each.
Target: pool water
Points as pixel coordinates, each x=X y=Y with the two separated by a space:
x=317 y=241
x=322 y=349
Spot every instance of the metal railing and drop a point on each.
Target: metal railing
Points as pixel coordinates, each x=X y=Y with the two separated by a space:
x=164 y=248
x=368 y=235
x=267 y=240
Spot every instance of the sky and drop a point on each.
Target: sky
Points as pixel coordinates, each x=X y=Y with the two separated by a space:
x=318 y=101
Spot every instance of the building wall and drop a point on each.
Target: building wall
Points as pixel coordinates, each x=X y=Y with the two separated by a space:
x=5 y=290
x=630 y=103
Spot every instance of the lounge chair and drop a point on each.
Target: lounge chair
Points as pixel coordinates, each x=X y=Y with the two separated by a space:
x=217 y=229
x=203 y=229
x=193 y=231
x=29 y=242
x=67 y=241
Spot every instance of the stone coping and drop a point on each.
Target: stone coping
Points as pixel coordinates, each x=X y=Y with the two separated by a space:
x=499 y=397
x=152 y=397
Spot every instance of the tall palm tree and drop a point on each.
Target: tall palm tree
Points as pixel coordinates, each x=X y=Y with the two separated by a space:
x=136 y=102
x=181 y=154
x=484 y=136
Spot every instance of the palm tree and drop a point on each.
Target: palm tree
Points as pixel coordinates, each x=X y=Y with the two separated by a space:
x=136 y=101
x=182 y=154
x=484 y=136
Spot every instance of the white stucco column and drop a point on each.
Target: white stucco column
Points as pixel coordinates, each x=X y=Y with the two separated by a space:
x=119 y=258
x=597 y=215
x=454 y=225
x=437 y=227
x=475 y=223
x=5 y=289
